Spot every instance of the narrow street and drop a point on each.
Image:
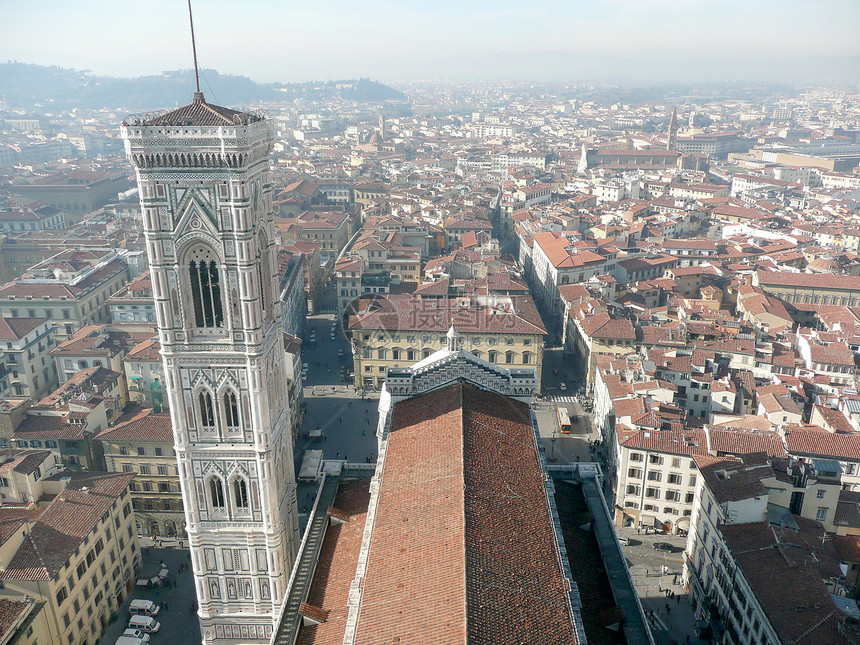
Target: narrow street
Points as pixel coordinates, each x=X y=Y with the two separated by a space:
x=347 y=419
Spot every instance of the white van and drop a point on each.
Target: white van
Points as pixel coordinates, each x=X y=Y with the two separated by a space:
x=146 y=624
x=128 y=640
x=143 y=607
x=143 y=637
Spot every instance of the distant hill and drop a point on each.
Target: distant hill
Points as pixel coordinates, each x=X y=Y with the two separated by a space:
x=50 y=88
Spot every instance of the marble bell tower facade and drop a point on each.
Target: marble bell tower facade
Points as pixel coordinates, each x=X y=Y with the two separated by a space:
x=206 y=200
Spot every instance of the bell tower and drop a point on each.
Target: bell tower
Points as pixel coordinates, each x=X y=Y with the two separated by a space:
x=206 y=198
x=673 y=130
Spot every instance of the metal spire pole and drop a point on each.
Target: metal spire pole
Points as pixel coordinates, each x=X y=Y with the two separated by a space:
x=194 y=48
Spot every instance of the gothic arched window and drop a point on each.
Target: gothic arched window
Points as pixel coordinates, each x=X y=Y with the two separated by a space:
x=205 y=285
x=216 y=492
x=207 y=410
x=231 y=410
x=240 y=493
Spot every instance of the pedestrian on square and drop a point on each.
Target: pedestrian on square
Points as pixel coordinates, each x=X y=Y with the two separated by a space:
x=166 y=606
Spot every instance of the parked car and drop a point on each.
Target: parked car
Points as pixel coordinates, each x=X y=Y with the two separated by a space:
x=663 y=546
x=623 y=540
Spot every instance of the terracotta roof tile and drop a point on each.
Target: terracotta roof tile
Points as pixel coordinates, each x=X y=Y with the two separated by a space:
x=437 y=315
x=62 y=527
x=476 y=561
x=144 y=426
x=806 y=442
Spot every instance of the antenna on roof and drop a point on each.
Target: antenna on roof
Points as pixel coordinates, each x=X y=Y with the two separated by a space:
x=198 y=94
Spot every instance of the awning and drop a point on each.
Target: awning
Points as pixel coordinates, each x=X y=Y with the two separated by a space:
x=649 y=520
x=683 y=522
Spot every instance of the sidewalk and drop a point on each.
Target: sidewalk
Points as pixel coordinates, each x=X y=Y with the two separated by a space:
x=671 y=615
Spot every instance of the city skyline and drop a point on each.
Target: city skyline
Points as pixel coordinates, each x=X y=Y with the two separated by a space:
x=618 y=40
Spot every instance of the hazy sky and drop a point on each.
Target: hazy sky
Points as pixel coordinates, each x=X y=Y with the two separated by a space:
x=284 y=40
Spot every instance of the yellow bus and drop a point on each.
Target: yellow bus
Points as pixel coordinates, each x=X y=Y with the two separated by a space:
x=563 y=420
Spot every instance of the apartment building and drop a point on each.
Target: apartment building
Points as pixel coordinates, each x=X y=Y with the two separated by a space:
x=295 y=387
x=84 y=577
x=744 y=551
x=99 y=345
x=26 y=366
x=347 y=276
x=458 y=228
x=831 y=361
x=134 y=303
x=493 y=130
x=810 y=288
x=592 y=332
x=293 y=298
x=45 y=218
x=556 y=261
x=143 y=445
x=657 y=477
x=71 y=288
x=366 y=193
x=400 y=331
x=330 y=229
x=717 y=144
x=23 y=472
x=692 y=251
x=335 y=191
x=70 y=418
x=23 y=621
x=143 y=369
x=372 y=267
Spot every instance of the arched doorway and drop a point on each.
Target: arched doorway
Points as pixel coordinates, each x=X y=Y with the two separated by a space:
x=153 y=529
x=170 y=528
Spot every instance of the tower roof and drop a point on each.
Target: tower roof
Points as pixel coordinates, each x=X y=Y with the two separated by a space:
x=201 y=113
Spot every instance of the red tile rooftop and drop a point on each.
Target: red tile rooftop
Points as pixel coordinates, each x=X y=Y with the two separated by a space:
x=476 y=561
x=64 y=524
